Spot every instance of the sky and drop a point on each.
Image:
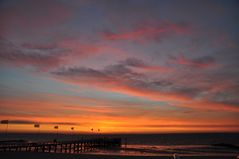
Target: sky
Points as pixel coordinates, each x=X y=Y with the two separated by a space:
x=121 y=66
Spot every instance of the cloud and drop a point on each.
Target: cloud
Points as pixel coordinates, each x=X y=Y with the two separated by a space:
x=137 y=63
x=35 y=122
x=107 y=113
x=122 y=77
x=133 y=62
x=39 y=57
x=118 y=78
x=148 y=31
x=80 y=72
x=121 y=73
x=202 y=62
x=47 y=56
x=78 y=49
x=200 y=126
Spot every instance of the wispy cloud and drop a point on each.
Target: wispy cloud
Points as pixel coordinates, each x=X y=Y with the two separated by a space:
x=36 y=122
x=119 y=78
x=26 y=55
x=202 y=62
x=47 y=56
x=149 y=31
x=140 y=64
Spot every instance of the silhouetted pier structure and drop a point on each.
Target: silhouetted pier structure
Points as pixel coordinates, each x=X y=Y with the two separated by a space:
x=77 y=146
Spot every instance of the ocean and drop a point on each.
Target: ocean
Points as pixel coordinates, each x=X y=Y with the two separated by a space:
x=150 y=144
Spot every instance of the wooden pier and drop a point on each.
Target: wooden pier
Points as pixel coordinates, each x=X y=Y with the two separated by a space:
x=77 y=146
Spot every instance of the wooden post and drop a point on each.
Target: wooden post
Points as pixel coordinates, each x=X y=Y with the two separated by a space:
x=49 y=148
x=36 y=148
x=55 y=148
x=74 y=147
x=70 y=147
x=81 y=146
x=43 y=148
x=65 y=148
x=61 y=147
x=78 y=147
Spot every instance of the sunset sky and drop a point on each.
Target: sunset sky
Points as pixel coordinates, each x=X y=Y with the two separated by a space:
x=120 y=65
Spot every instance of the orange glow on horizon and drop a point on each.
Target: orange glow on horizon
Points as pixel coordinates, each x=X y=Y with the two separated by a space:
x=117 y=125
x=110 y=119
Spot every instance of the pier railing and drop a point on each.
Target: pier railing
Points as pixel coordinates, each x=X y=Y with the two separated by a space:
x=75 y=146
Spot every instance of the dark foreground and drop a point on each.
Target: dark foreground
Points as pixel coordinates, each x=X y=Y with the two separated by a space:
x=38 y=155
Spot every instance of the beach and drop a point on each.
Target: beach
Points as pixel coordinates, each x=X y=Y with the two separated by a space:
x=34 y=155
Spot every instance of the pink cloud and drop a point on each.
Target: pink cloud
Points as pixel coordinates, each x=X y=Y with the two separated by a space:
x=148 y=31
x=172 y=98
x=83 y=49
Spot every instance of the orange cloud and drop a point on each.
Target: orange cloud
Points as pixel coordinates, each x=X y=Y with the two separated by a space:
x=109 y=116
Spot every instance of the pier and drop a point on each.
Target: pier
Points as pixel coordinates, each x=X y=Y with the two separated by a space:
x=76 y=146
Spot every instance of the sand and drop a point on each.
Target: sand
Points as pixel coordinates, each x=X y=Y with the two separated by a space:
x=38 y=155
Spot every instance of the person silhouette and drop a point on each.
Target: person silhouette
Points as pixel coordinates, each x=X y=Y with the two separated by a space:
x=175 y=156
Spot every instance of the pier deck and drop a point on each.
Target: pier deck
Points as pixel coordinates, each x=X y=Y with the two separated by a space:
x=75 y=146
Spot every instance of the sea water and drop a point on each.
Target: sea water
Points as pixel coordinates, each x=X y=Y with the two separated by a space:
x=150 y=144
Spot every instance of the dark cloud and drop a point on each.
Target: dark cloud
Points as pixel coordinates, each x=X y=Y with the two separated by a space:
x=122 y=73
x=184 y=126
x=41 y=57
x=133 y=62
x=187 y=90
x=110 y=74
x=169 y=86
x=185 y=83
x=79 y=71
x=228 y=96
x=161 y=83
x=35 y=122
x=119 y=71
x=201 y=62
x=204 y=60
